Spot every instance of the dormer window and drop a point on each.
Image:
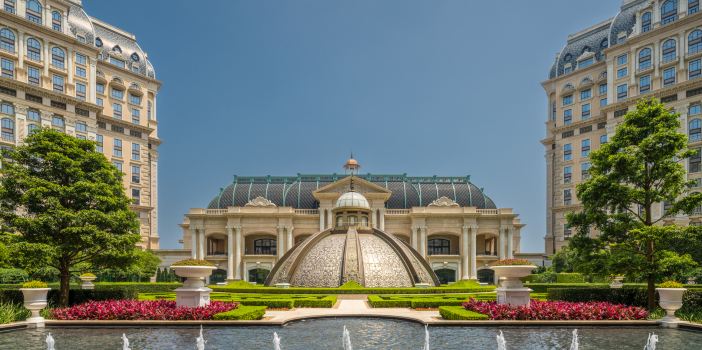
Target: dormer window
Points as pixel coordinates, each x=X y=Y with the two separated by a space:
x=669 y=11
x=98 y=42
x=117 y=49
x=586 y=62
x=117 y=62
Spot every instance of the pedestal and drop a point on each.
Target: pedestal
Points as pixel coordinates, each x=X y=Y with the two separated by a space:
x=282 y=285
x=87 y=285
x=422 y=285
x=193 y=293
x=513 y=296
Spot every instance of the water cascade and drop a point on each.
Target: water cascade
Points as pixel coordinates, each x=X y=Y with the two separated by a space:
x=426 y=337
x=651 y=342
x=276 y=341
x=347 y=339
x=50 y=342
x=501 y=343
x=200 y=341
x=575 y=343
x=125 y=342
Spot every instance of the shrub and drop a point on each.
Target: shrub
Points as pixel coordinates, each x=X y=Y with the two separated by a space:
x=557 y=310
x=139 y=287
x=34 y=284
x=351 y=285
x=670 y=284
x=271 y=303
x=139 y=310
x=87 y=274
x=75 y=296
x=544 y=287
x=192 y=262
x=242 y=313
x=512 y=262
x=303 y=290
x=434 y=303
x=13 y=276
x=629 y=295
x=382 y=301
x=564 y=277
x=327 y=302
x=459 y=313
x=11 y=312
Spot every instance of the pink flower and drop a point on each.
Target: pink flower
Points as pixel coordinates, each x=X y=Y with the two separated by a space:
x=140 y=310
x=557 y=310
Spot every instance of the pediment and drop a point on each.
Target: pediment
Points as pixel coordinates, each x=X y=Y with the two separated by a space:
x=360 y=185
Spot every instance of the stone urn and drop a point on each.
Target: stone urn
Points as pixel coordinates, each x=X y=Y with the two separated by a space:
x=87 y=281
x=511 y=290
x=193 y=293
x=617 y=282
x=34 y=301
x=670 y=301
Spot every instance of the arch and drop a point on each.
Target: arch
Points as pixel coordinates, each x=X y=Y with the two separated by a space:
x=34 y=5
x=486 y=275
x=117 y=49
x=669 y=11
x=34 y=49
x=218 y=275
x=669 y=50
x=7 y=108
x=645 y=58
x=604 y=43
x=98 y=42
x=694 y=41
x=258 y=275
x=695 y=129
x=265 y=246
x=215 y=243
x=56 y=20
x=440 y=245
x=446 y=275
x=7 y=40
x=58 y=57
x=646 y=22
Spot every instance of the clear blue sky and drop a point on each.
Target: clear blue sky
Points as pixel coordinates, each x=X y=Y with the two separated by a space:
x=432 y=87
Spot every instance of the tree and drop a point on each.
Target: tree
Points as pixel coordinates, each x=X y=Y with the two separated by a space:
x=639 y=167
x=64 y=206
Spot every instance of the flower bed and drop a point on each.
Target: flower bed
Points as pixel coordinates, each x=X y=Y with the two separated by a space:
x=140 y=310
x=557 y=310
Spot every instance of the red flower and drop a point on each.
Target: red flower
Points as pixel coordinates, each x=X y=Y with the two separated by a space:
x=140 y=310
x=557 y=310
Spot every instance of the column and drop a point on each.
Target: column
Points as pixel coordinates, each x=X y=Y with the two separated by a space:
x=321 y=219
x=473 y=248
x=289 y=238
x=465 y=255
x=413 y=238
x=280 y=243
x=381 y=223
x=20 y=49
x=201 y=248
x=230 y=253
x=501 y=244
x=423 y=241
x=510 y=236
x=237 y=253
x=193 y=242
x=92 y=74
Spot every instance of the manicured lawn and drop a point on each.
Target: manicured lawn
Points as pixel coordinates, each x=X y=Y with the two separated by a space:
x=277 y=301
x=460 y=313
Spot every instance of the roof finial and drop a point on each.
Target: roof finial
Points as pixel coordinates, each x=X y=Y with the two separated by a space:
x=352 y=167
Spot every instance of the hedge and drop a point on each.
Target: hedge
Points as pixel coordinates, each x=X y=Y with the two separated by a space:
x=544 y=287
x=569 y=278
x=75 y=296
x=634 y=296
x=460 y=313
x=296 y=290
x=379 y=301
x=434 y=303
x=271 y=303
x=242 y=313
x=139 y=287
x=423 y=301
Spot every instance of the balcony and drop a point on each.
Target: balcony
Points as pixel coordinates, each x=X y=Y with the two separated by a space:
x=443 y=252
x=261 y=251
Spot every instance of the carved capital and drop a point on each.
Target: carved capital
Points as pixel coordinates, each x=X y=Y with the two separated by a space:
x=443 y=202
x=260 y=202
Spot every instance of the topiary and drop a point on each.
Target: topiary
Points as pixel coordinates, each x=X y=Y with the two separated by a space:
x=34 y=284
x=512 y=262
x=670 y=284
x=193 y=262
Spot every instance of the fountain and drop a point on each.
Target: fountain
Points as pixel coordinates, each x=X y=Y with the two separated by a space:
x=651 y=342
x=426 y=337
x=575 y=343
x=276 y=341
x=501 y=343
x=347 y=339
x=50 y=342
x=125 y=342
x=200 y=341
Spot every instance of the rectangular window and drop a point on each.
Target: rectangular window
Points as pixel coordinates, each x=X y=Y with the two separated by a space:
x=81 y=127
x=694 y=161
x=80 y=72
x=8 y=68
x=585 y=113
x=622 y=72
x=567 y=134
x=567 y=69
x=136 y=149
x=567 y=100
x=694 y=110
x=585 y=171
x=134 y=99
x=603 y=139
x=622 y=91
x=58 y=121
x=622 y=59
x=117 y=149
x=33 y=16
x=81 y=59
x=567 y=152
x=585 y=148
x=117 y=110
x=567 y=197
x=585 y=129
x=80 y=91
x=136 y=174
x=693 y=6
x=567 y=174
x=585 y=94
x=603 y=102
x=645 y=59
x=669 y=14
x=100 y=88
x=148 y=111
x=553 y=111
x=136 y=118
x=586 y=63
x=644 y=84
x=136 y=194
x=56 y=19
x=10 y=6
x=33 y=75
x=603 y=89
x=59 y=85
x=98 y=101
x=117 y=62
x=117 y=94
x=669 y=76
x=99 y=140
x=695 y=69
x=567 y=231
x=567 y=116
x=118 y=165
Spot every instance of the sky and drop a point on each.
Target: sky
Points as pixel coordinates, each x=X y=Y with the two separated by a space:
x=422 y=87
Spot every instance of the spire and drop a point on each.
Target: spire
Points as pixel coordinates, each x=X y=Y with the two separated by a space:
x=352 y=167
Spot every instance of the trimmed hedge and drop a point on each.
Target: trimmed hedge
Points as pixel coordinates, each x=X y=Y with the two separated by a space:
x=242 y=313
x=380 y=301
x=139 y=287
x=544 y=287
x=75 y=296
x=272 y=301
x=569 y=278
x=460 y=313
x=423 y=301
x=633 y=295
x=294 y=290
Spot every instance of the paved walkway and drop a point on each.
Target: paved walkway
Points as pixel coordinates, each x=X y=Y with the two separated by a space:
x=352 y=307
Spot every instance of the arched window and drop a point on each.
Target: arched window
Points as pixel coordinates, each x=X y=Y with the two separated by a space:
x=34 y=11
x=645 y=59
x=34 y=49
x=58 y=57
x=695 y=130
x=56 y=20
x=604 y=43
x=669 y=50
x=694 y=41
x=439 y=246
x=645 y=22
x=264 y=246
x=8 y=129
x=117 y=49
x=7 y=108
x=669 y=11
x=7 y=40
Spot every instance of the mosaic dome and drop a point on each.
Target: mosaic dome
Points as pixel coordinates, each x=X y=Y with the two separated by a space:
x=352 y=200
x=370 y=257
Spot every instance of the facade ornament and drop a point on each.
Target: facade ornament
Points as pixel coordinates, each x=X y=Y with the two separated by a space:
x=443 y=202
x=260 y=202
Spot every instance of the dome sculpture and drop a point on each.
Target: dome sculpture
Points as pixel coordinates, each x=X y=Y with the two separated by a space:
x=352 y=200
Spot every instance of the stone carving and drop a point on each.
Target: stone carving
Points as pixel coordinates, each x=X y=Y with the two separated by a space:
x=260 y=202
x=443 y=202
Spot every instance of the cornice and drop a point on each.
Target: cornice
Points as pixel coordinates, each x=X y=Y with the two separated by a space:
x=124 y=124
x=571 y=74
x=34 y=90
x=580 y=124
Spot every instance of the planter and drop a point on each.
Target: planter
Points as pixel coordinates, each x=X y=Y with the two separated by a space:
x=193 y=293
x=670 y=301
x=617 y=282
x=87 y=282
x=511 y=290
x=34 y=301
x=282 y=285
